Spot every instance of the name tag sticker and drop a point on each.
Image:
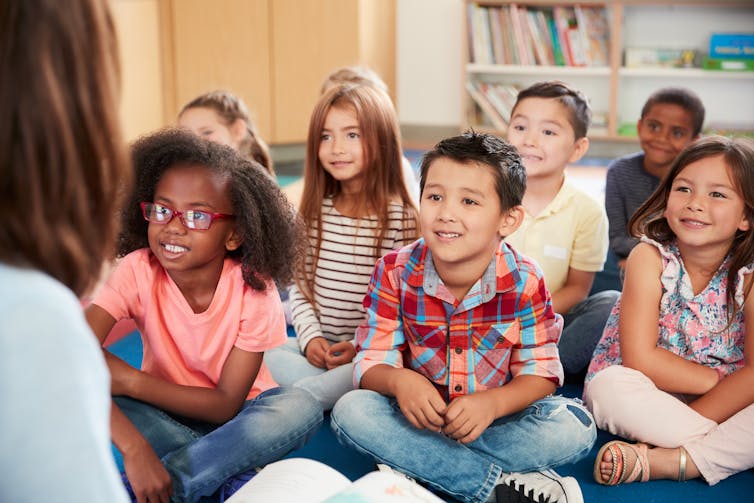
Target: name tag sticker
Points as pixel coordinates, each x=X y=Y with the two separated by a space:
x=555 y=252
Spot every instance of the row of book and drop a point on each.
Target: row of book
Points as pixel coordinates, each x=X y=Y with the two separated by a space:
x=495 y=101
x=512 y=34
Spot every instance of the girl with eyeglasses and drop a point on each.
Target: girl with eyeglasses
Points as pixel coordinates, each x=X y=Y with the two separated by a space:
x=205 y=236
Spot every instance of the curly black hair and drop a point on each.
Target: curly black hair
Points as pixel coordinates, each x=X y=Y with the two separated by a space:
x=271 y=234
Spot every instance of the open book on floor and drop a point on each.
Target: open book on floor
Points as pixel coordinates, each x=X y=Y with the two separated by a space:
x=309 y=481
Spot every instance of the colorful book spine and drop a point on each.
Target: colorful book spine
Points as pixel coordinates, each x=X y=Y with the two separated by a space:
x=731 y=45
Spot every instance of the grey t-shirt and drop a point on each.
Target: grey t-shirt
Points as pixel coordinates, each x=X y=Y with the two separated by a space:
x=627 y=186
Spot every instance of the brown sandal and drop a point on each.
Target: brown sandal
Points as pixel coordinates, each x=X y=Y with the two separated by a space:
x=620 y=473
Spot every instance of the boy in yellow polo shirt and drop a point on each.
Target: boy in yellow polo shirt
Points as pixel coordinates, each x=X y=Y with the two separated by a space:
x=564 y=229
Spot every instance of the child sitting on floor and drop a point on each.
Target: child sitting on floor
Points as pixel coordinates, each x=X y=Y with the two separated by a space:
x=458 y=355
x=205 y=235
x=564 y=229
x=674 y=366
x=670 y=119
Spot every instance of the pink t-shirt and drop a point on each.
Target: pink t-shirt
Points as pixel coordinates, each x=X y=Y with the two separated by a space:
x=190 y=348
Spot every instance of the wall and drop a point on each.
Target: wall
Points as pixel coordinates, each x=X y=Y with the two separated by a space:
x=429 y=62
x=142 y=99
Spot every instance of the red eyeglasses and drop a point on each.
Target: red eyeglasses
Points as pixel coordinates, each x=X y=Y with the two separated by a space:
x=197 y=220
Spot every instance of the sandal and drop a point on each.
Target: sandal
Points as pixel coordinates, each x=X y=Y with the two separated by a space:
x=620 y=473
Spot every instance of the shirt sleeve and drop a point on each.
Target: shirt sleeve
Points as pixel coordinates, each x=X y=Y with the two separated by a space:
x=537 y=353
x=119 y=294
x=591 y=241
x=263 y=322
x=380 y=339
x=305 y=320
x=615 y=206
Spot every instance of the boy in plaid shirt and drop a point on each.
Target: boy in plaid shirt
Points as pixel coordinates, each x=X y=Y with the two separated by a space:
x=457 y=359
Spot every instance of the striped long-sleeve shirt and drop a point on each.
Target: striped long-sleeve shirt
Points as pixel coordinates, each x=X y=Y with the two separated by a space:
x=346 y=261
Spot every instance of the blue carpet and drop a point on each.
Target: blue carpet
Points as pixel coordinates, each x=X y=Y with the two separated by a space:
x=325 y=448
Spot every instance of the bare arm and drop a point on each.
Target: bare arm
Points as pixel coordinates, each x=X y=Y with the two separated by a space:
x=736 y=391
x=216 y=405
x=576 y=288
x=640 y=312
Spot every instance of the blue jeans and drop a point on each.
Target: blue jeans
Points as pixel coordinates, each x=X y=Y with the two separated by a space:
x=550 y=432
x=201 y=456
x=289 y=367
x=582 y=329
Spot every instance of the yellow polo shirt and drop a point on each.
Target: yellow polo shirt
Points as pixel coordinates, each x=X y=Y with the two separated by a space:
x=571 y=231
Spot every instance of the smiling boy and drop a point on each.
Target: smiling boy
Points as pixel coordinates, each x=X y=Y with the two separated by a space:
x=457 y=357
x=563 y=229
x=671 y=118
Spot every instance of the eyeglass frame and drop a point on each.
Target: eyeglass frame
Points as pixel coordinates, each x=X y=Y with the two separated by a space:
x=175 y=213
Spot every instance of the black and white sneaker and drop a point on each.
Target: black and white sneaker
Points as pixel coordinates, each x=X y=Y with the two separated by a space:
x=537 y=487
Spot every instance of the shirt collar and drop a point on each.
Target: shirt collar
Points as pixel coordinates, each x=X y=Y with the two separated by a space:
x=501 y=274
x=560 y=201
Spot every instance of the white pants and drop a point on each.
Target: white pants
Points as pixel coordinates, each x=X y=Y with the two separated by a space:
x=625 y=402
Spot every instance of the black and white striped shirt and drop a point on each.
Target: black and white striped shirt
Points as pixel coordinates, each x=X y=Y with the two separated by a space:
x=346 y=261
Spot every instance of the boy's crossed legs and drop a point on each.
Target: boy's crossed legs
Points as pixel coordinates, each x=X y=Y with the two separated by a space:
x=551 y=431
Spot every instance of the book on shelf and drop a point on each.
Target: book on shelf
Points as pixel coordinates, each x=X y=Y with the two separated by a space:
x=728 y=64
x=644 y=57
x=514 y=34
x=731 y=45
x=489 y=112
x=521 y=34
x=595 y=33
x=309 y=481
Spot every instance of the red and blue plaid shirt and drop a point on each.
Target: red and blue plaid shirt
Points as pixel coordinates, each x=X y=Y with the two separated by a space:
x=503 y=328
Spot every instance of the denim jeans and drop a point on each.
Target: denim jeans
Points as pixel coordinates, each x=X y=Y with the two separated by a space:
x=550 y=432
x=582 y=329
x=289 y=367
x=201 y=456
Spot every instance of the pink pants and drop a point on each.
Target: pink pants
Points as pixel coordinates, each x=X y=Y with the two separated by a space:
x=625 y=402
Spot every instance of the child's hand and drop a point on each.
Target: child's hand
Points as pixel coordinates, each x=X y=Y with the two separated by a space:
x=316 y=351
x=468 y=416
x=419 y=401
x=339 y=354
x=148 y=477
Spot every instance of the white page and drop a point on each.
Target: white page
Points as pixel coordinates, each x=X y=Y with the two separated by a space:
x=292 y=479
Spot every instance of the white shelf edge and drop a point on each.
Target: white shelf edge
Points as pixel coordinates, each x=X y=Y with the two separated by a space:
x=693 y=73
x=585 y=71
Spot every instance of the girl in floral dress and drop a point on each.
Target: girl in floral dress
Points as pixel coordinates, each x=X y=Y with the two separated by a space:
x=673 y=369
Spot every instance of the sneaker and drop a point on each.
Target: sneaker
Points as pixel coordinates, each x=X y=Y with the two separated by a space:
x=235 y=483
x=537 y=487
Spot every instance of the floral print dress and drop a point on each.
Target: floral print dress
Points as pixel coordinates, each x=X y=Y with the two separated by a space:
x=691 y=326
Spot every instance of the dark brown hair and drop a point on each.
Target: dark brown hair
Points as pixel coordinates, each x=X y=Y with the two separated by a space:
x=62 y=160
x=230 y=108
x=684 y=98
x=480 y=148
x=271 y=235
x=738 y=154
x=576 y=102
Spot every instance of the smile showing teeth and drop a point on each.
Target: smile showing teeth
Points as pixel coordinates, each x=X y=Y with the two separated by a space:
x=174 y=248
x=448 y=235
x=693 y=223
